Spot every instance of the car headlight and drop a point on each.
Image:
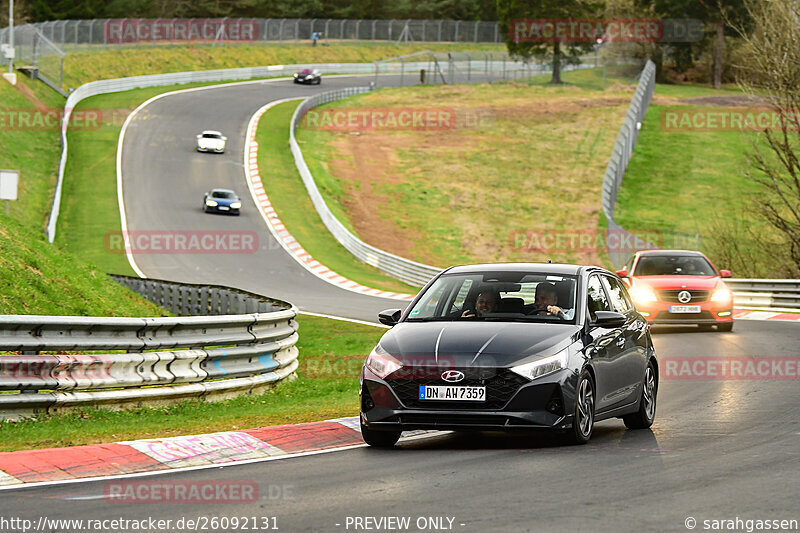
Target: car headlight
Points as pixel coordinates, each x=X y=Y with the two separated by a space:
x=211 y=203
x=236 y=205
x=722 y=295
x=543 y=367
x=643 y=294
x=381 y=363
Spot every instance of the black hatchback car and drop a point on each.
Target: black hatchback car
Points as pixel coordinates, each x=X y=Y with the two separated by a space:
x=503 y=347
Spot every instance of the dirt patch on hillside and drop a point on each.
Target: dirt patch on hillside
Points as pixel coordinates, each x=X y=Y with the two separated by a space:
x=538 y=164
x=726 y=101
x=365 y=161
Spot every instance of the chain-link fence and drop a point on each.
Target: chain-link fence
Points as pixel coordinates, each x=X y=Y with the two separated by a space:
x=72 y=35
x=596 y=70
x=37 y=54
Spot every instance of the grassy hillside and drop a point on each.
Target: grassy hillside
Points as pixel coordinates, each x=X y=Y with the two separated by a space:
x=37 y=278
x=519 y=161
x=530 y=169
x=82 y=67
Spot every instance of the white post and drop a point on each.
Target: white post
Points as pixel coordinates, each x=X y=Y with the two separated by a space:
x=10 y=36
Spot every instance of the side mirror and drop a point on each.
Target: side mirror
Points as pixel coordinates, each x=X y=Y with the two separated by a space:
x=608 y=319
x=725 y=273
x=198 y=136
x=390 y=317
x=622 y=273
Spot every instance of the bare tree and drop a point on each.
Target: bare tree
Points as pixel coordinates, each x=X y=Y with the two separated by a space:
x=770 y=70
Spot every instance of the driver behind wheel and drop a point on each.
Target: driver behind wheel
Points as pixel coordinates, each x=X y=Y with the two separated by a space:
x=545 y=301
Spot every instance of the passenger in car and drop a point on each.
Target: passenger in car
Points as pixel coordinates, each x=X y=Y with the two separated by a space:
x=486 y=302
x=545 y=301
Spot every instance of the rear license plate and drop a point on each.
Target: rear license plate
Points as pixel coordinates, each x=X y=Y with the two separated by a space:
x=452 y=393
x=684 y=308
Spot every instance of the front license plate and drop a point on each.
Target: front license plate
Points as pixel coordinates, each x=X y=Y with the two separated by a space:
x=452 y=393
x=684 y=308
x=223 y=208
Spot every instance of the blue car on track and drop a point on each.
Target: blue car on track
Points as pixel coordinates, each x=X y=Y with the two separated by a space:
x=222 y=201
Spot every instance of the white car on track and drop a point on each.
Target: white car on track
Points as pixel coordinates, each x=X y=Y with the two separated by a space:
x=211 y=141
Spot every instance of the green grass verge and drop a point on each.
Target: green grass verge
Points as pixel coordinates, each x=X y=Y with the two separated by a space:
x=537 y=167
x=331 y=354
x=82 y=67
x=35 y=276
x=39 y=278
x=289 y=197
x=690 y=189
x=30 y=145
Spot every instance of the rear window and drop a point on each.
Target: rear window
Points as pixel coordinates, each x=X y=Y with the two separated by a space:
x=212 y=136
x=673 y=265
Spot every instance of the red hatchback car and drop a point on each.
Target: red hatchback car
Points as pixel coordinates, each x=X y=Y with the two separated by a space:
x=679 y=287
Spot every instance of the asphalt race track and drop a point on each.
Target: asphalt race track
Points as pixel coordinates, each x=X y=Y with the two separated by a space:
x=718 y=450
x=164 y=179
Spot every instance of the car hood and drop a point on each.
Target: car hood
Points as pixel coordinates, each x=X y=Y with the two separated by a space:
x=471 y=343
x=698 y=283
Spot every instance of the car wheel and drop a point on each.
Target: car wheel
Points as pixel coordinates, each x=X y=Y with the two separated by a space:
x=379 y=439
x=643 y=418
x=583 y=418
x=725 y=326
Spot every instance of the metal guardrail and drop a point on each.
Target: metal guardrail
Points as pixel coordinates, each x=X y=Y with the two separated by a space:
x=243 y=343
x=766 y=294
x=623 y=150
x=403 y=269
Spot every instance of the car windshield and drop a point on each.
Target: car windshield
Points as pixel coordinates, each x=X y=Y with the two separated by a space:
x=306 y=71
x=225 y=195
x=673 y=265
x=497 y=296
x=212 y=136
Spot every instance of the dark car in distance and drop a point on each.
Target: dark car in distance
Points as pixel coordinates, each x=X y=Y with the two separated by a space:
x=308 y=76
x=561 y=348
x=222 y=201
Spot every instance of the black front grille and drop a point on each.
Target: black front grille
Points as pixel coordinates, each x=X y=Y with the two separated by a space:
x=672 y=296
x=501 y=385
